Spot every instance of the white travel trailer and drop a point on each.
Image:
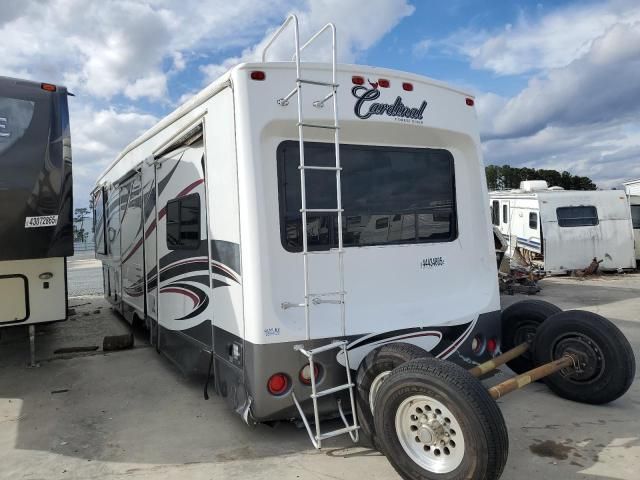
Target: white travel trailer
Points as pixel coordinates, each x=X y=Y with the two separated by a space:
x=565 y=229
x=311 y=244
x=36 y=233
x=632 y=189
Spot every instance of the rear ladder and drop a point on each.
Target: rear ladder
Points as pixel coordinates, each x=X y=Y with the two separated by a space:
x=327 y=297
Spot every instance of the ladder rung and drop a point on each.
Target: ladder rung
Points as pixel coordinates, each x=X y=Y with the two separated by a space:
x=321 y=210
x=316 y=82
x=335 y=433
x=317 y=125
x=328 y=347
x=313 y=167
x=329 y=391
x=326 y=294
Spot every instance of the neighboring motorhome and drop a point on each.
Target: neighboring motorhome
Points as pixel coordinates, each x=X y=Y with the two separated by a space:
x=632 y=189
x=36 y=233
x=565 y=230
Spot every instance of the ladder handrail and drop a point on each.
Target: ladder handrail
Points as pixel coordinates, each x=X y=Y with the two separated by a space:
x=331 y=26
x=296 y=35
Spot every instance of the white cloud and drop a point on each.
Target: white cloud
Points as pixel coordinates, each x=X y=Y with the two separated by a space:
x=423 y=47
x=598 y=87
x=578 y=112
x=550 y=41
x=359 y=28
x=97 y=136
x=119 y=46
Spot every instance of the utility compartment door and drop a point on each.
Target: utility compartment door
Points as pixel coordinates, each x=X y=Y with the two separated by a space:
x=131 y=244
x=14 y=303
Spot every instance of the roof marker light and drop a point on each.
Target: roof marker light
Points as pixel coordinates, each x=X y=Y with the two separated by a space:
x=357 y=80
x=384 y=83
x=48 y=87
x=470 y=102
x=407 y=86
x=258 y=75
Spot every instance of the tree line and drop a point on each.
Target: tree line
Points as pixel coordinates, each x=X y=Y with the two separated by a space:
x=507 y=177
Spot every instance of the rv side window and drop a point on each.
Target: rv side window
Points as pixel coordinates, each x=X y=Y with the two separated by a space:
x=99 y=201
x=183 y=223
x=582 y=216
x=505 y=214
x=495 y=213
x=533 y=220
x=390 y=195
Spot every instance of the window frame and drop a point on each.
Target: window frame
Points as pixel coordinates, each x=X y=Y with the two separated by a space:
x=536 y=217
x=332 y=219
x=560 y=221
x=179 y=201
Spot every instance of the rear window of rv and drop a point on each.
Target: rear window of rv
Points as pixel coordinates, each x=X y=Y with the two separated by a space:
x=582 y=216
x=390 y=195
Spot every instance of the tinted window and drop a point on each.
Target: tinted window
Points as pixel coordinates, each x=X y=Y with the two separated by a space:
x=505 y=213
x=635 y=215
x=495 y=212
x=390 y=195
x=183 y=222
x=582 y=216
x=98 y=222
x=533 y=220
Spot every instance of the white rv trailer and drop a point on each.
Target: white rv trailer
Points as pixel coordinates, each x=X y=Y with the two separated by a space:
x=296 y=221
x=632 y=189
x=565 y=229
x=36 y=233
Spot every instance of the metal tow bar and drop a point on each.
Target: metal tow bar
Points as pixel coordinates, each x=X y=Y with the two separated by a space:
x=525 y=378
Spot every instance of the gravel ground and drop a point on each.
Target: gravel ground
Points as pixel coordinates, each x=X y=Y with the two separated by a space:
x=84 y=274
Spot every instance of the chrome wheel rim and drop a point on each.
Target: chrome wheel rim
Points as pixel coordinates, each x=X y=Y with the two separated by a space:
x=430 y=434
x=375 y=386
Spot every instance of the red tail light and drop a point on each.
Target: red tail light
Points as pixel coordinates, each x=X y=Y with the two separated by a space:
x=258 y=75
x=407 y=86
x=384 y=83
x=470 y=102
x=278 y=384
x=357 y=80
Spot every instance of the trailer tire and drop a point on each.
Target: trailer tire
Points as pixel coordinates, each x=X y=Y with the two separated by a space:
x=520 y=322
x=372 y=372
x=607 y=359
x=436 y=421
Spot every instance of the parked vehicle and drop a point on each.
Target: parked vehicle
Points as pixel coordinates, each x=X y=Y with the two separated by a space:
x=36 y=234
x=308 y=245
x=565 y=230
x=632 y=190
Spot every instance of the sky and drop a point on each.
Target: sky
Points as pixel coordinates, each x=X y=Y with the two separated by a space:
x=557 y=82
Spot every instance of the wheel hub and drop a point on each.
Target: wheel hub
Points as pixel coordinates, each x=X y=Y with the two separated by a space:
x=587 y=354
x=430 y=434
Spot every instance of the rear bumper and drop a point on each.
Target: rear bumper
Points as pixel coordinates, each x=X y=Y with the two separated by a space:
x=262 y=361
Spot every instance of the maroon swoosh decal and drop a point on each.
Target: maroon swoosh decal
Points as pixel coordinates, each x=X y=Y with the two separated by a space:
x=182 y=291
x=455 y=344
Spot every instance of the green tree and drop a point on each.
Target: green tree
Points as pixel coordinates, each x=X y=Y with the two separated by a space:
x=506 y=177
